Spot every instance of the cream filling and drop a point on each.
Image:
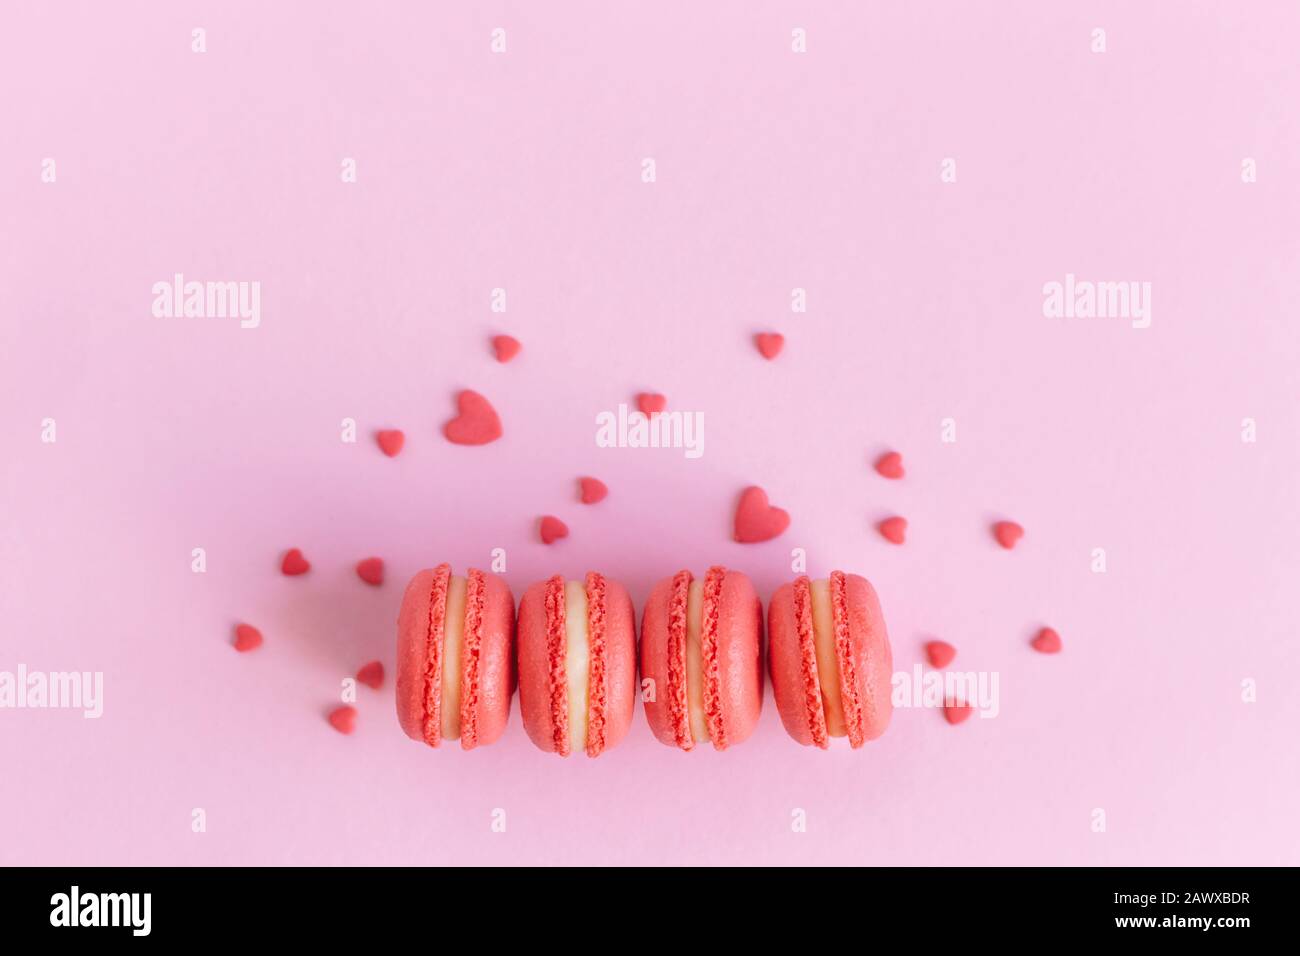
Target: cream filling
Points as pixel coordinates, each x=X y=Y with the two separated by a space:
x=828 y=663
x=577 y=662
x=453 y=634
x=695 y=662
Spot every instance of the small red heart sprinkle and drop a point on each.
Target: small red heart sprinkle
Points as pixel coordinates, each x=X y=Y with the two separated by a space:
x=371 y=570
x=1047 y=642
x=593 y=490
x=769 y=344
x=294 y=563
x=1008 y=533
x=894 y=529
x=955 y=712
x=344 y=719
x=890 y=465
x=651 y=403
x=756 y=520
x=507 y=347
x=477 y=422
x=940 y=653
x=552 y=529
x=247 y=638
x=390 y=441
x=372 y=675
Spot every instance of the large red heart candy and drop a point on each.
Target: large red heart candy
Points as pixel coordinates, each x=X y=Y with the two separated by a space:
x=477 y=422
x=756 y=520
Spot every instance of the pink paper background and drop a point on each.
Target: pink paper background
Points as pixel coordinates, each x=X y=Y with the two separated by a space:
x=775 y=170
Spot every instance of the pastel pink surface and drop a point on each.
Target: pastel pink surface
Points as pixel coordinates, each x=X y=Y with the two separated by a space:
x=775 y=170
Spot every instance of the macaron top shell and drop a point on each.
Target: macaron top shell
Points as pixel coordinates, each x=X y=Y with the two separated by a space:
x=863 y=663
x=486 y=673
x=730 y=658
x=608 y=629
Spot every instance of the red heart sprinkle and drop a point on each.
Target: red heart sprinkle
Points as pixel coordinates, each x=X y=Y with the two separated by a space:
x=894 y=529
x=1047 y=642
x=294 y=563
x=1008 y=533
x=507 y=347
x=593 y=490
x=890 y=465
x=371 y=570
x=651 y=403
x=756 y=520
x=344 y=719
x=552 y=529
x=372 y=675
x=955 y=712
x=477 y=422
x=390 y=441
x=769 y=344
x=940 y=653
x=247 y=638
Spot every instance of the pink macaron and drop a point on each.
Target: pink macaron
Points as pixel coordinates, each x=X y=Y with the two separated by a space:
x=455 y=657
x=830 y=660
x=577 y=664
x=702 y=659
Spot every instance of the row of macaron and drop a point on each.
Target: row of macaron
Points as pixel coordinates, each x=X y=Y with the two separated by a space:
x=573 y=652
